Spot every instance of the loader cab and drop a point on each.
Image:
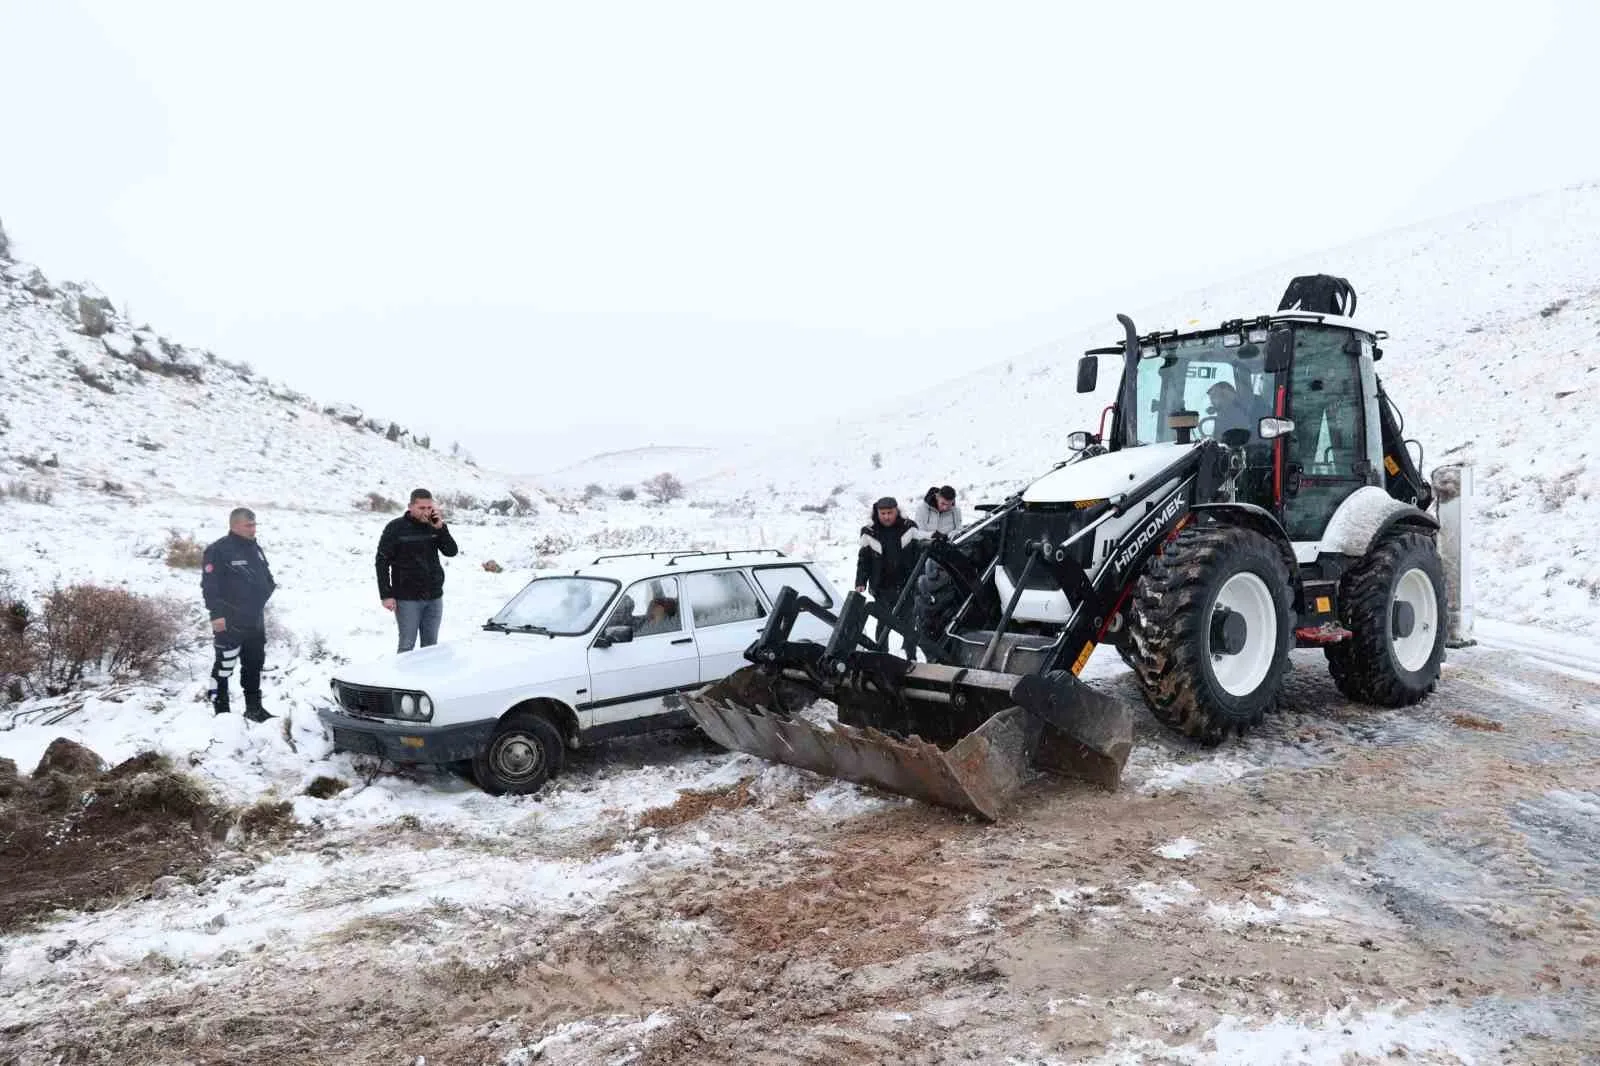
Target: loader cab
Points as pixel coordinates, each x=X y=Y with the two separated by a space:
x=1331 y=396
x=1314 y=370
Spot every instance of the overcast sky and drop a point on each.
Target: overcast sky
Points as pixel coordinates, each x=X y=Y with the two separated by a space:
x=551 y=229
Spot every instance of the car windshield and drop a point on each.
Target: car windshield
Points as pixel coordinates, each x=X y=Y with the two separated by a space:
x=557 y=604
x=1224 y=385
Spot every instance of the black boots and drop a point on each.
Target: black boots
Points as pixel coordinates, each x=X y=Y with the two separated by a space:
x=253 y=711
x=252 y=708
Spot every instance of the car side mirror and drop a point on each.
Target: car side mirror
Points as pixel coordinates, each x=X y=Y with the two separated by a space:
x=1079 y=440
x=1280 y=351
x=614 y=635
x=1088 y=373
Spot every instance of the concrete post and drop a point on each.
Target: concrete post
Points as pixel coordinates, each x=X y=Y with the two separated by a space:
x=1452 y=493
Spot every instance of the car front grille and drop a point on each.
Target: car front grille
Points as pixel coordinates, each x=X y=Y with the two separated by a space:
x=367 y=702
x=360 y=743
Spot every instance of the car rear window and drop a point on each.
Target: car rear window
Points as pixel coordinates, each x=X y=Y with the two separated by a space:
x=774 y=578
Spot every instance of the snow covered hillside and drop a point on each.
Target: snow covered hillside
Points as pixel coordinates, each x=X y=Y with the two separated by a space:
x=631 y=466
x=1493 y=358
x=91 y=404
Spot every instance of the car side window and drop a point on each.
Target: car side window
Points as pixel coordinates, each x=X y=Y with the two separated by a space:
x=720 y=597
x=772 y=579
x=650 y=607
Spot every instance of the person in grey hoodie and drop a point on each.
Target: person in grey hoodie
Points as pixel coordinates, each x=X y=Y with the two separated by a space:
x=938 y=513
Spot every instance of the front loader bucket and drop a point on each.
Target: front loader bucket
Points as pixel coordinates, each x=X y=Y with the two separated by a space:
x=958 y=738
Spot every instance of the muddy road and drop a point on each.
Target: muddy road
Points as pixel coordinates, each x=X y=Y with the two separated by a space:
x=1346 y=885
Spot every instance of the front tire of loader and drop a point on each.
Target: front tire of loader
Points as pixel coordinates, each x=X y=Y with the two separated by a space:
x=1393 y=602
x=1210 y=631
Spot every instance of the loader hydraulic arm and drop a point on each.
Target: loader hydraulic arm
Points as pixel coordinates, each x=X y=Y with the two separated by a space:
x=1401 y=476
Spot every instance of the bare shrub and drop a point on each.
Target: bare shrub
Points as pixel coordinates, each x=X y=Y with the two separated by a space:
x=17 y=658
x=110 y=488
x=184 y=552
x=523 y=501
x=21 y=490
x=877 y=460
x=627 y=493
x=591 y=490
x=663 y=488
x=85 y=630
x=377 y=501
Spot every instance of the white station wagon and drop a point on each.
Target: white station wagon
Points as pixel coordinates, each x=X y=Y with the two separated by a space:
x=604 y=651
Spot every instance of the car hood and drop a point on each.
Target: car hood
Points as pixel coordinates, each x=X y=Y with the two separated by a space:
x=482 y=663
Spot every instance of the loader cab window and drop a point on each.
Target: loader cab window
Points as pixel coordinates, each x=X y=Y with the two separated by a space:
x=1203 y=375
x=1327 y=451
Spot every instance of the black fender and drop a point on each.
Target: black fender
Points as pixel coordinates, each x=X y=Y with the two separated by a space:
x=1258 y=519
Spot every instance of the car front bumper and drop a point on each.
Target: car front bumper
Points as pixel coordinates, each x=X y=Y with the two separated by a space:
x=410 y=742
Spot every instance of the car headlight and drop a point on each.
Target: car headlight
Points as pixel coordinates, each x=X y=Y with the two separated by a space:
x=408 y=705
x=425 y=705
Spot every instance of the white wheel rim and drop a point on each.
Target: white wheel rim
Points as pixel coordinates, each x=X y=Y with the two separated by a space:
x=1241 y=674
x=1412 y=651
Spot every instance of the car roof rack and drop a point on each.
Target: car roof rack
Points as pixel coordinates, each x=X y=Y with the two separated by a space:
x=728 y=554
x=643 y=555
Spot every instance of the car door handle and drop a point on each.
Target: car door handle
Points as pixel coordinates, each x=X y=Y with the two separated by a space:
x=684 y=640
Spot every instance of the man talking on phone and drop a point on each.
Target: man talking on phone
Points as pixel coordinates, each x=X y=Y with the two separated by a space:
x=410 y=575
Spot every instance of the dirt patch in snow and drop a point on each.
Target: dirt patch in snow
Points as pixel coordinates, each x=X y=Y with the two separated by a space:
x=693 y=804
x=72 y=836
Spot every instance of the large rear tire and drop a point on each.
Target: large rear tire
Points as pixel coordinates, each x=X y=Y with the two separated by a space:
x=1210 y=631
x=1393 y=603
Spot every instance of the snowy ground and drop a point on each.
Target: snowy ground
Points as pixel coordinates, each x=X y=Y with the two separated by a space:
x=1327 y=892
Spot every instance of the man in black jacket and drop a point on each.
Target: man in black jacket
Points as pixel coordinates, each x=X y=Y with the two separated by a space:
x=237 y=583
x=888 y=555
x=410 y=575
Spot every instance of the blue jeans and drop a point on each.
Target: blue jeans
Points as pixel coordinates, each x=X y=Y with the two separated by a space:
x=416 y=616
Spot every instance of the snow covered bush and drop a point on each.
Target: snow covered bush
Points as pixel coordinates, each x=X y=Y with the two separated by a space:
x=89 y=631
x=663 y=488
x=184 y=552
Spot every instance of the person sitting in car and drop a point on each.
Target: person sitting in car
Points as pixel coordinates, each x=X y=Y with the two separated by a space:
x=661 y=616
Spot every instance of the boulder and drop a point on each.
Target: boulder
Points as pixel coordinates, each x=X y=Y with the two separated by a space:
x=94 y=314
x=68 y=758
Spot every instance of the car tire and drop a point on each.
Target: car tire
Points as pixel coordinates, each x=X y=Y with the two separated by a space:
x=523 y=753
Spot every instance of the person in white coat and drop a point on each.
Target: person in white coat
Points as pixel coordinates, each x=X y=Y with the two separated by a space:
x=938 y=513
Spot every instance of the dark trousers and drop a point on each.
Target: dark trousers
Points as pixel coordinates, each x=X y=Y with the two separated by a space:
x=242 y=648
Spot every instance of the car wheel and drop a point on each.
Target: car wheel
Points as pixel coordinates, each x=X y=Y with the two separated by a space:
x=523 y=753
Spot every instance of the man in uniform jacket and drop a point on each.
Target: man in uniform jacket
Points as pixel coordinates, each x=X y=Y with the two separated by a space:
x=410 y=575
x=237 y=583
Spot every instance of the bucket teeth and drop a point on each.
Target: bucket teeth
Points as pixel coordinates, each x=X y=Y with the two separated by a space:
x=978 y=770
